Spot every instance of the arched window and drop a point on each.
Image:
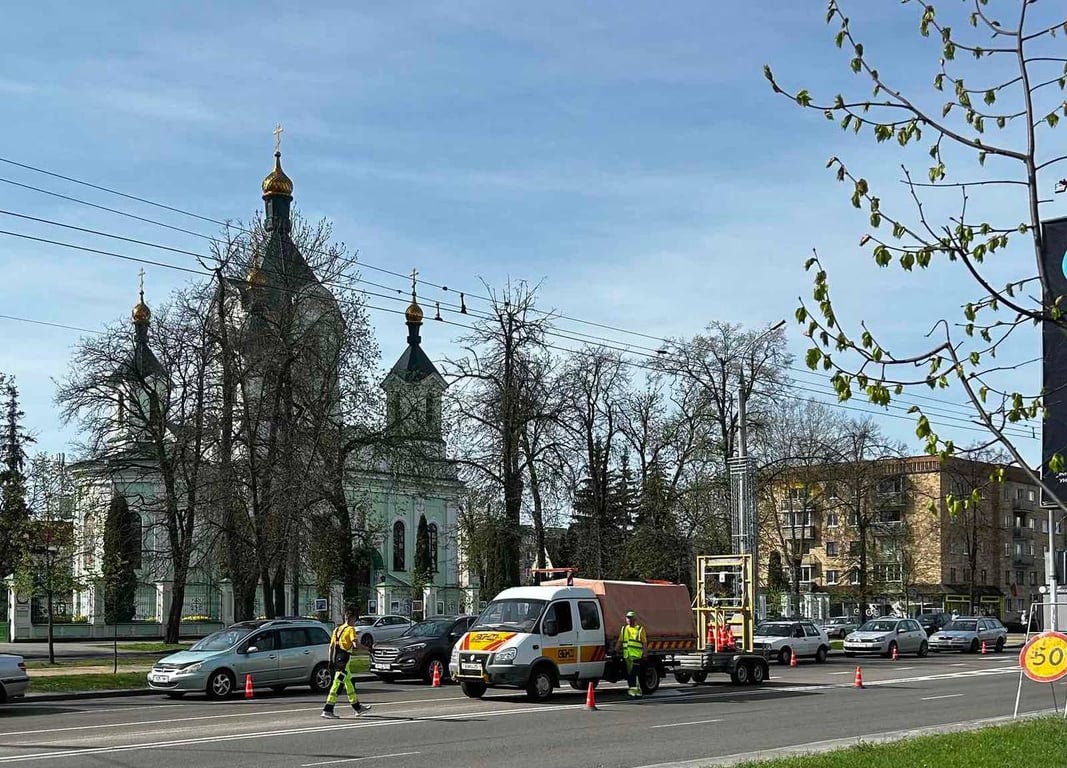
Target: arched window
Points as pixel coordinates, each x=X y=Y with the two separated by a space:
x=398 y=545
x=432 y=529
x=136 y=534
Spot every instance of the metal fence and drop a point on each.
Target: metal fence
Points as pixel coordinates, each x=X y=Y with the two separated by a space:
x=203 y=602
x=144 y=603
x=62 y=609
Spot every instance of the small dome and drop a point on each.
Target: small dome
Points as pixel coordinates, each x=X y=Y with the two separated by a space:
x=414 y=312
x=276 y=182
x=256 y=276
x=141 y=313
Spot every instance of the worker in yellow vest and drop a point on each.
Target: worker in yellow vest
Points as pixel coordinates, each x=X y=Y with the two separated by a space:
x=632 y=643
x=342 y=657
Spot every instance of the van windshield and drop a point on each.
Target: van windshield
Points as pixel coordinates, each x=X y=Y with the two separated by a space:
x=513 y=615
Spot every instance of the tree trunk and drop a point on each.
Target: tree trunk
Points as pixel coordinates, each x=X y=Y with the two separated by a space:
x=51 y=632
x=172 y=632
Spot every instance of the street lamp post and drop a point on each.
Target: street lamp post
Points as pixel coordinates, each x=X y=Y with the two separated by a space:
x=743 y=480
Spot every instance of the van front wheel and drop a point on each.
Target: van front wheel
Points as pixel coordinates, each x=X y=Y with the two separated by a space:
x=472 y=690
x=541 y=684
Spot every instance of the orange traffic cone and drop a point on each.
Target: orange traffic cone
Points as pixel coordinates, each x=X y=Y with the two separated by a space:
x=792 y=658
x=248 y=686
x=590 y=698
x=858 y=682
x=895 y=654
x=983 y=646
x=436 y=676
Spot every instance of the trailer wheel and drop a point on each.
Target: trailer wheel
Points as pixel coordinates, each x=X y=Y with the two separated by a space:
x=759 y=672
x=700 y=677
x=740 y=674
x=472 y=690
x=649 y=679
x=682 y=677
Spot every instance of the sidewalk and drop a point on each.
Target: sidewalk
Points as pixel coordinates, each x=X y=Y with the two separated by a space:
x=96 y=649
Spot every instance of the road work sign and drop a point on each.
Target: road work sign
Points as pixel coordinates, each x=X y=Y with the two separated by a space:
x=1044 y=657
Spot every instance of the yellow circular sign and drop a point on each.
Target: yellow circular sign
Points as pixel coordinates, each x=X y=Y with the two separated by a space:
x=1044 y=657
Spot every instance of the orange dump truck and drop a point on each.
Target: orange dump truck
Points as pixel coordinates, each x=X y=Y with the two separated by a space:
x=540 y=637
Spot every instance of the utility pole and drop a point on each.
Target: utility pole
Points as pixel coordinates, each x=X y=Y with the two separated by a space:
x=743 y=481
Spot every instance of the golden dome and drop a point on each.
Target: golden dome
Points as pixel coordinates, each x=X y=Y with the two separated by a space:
x=256 y=276
x=276 y=182
x=141 y=313
x=414 y=312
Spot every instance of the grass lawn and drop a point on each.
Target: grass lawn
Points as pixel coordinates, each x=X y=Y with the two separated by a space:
x=837 y=645
x=1028 y=742
x=92 y=661
x=93 y=682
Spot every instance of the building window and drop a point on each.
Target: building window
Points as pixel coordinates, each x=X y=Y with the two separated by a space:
x=1007 y=521
x=805 y=574
x=1007 y=549
x=830 y=489
x=831 y=549
x=429 y=409
x=952 y=575
x=432 y=536
x=853 y=547
x=1031 y=494
x=398 y=546
x=889 y=571
x=1059 y=527
x=983 y=576
x=831 y=519
x=1020 y=577
x=854 y=576
x=1007 y=577
x=832 y=576
x=1033 y=578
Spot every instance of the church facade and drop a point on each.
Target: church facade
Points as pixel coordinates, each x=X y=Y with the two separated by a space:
x=402 y=499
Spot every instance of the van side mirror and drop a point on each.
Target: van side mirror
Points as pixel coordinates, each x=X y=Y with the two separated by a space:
x=550 y=627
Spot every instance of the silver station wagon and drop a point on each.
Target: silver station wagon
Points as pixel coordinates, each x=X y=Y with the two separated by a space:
x=276 y=653
x=883 y=635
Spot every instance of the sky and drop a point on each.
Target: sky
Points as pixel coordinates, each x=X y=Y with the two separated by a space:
x=629 y=158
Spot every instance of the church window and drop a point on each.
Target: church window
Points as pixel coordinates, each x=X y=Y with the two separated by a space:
x=398 y=546
x=136 y=534
x=433 y=548
x=429 y=409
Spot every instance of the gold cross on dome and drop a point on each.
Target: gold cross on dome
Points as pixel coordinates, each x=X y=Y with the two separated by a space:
x=414 y=275
x=278 y=137
x=140 y=275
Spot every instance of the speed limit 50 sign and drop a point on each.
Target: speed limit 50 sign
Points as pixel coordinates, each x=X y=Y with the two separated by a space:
x=1044 y=657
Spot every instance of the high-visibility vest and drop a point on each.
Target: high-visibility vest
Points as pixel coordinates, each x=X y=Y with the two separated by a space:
x=633 y=641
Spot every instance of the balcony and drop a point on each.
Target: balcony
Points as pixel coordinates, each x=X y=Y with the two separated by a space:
x=1020 y=559
x=891 y=498
x=1019 y=532
x=1023 y=505
x=798 y=532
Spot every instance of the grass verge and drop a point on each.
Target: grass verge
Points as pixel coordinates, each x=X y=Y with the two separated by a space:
x=1016 y=744
x=89 y=682
x=92 y=661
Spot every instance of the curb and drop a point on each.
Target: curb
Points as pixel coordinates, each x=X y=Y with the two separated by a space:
x=120 y=693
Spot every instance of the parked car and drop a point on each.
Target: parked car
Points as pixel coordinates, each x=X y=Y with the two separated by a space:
x=932 y=622
x=967 y=633
x=426 y=646
x=374 y=629
x=883 y=635
x=780 y=639
x=13 y=678
x=277 y=653
x=839 y=626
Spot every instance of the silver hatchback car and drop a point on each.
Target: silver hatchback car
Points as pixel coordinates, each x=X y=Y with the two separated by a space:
x=967 y=633
x=883 y=635
x=276 y=653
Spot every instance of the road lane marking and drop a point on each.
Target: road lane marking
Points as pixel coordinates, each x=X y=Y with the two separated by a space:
x=839 y=673
x=357 y=759
x=407 y=721
x=693 y=722
x=946 y=696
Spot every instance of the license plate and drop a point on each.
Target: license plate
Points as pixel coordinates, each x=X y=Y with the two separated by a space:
x=383 y=667
x=160 y=678
x=466 y=667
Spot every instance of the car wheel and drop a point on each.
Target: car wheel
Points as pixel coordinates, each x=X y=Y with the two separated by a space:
x=974 y=646
x=999 y=646
x=784 y=654
x=682 y=677
x=820 y=655
x=321 y=678
x=924 y=649
x=540 y=686
x=889 y=651
x=435 y=662
x=472 y=690
x=649 y=681
x=367 y=641
x=221 y=684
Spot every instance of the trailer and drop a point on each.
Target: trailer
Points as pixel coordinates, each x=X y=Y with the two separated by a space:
x=724 y=612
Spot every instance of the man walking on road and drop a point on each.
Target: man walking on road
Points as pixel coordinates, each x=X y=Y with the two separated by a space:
x=342 y=660
x=632 y=642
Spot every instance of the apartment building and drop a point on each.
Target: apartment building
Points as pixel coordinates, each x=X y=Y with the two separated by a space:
x=874 y=537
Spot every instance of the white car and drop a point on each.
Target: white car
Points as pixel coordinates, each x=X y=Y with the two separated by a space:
x=780 y=639
x=373 y=629
x=13 y=678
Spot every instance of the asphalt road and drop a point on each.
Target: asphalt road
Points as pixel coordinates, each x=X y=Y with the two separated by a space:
x=412 y=726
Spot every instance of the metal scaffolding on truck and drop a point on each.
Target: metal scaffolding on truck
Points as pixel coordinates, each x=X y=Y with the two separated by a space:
x=724 y=603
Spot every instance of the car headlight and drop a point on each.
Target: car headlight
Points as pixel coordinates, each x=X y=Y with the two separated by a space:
x=191 y=668
x=413 y=647
x=880 y=639
x=505 y=657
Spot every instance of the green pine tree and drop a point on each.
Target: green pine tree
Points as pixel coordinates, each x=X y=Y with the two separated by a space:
x=14 y=510
x=118 y=564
